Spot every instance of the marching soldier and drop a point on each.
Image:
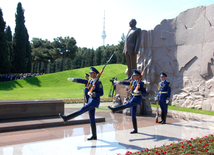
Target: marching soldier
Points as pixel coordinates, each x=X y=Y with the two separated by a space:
x=86 y=87
x=163 y=96
x=135 y=100
x=93 y=101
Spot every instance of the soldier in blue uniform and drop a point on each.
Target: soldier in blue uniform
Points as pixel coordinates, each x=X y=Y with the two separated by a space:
x=93 y=101
x=86 y=87
x=135 y=100
x=164 y=91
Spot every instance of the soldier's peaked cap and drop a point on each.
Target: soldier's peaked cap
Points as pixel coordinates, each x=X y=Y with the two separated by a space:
x=93 y=70
x=86 y=74
x=163 y=74
x=136 y=72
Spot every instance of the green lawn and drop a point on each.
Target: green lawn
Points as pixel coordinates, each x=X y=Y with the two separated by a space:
x=56 y=85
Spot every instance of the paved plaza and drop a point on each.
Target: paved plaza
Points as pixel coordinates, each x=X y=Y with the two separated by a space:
x=113 y=135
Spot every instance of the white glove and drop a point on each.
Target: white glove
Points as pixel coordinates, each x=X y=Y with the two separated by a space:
x=116 y=82
x=71 y=79
x=156 y=98
x=167 y=100
x=137 y=93
x=93 y=94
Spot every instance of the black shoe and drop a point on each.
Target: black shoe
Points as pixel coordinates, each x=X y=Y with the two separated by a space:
x=134 y=122
x=160 y=121
x=118 y=108
x=164 y=118
x=94 y=132
x=163 y=122
x=64 y=117
x=70 y=116
x=92 y=138
x=134 y=131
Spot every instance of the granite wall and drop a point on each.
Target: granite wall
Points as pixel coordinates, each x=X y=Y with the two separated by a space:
x=182 y=47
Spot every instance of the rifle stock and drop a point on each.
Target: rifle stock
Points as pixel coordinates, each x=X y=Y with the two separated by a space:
x=157 y=113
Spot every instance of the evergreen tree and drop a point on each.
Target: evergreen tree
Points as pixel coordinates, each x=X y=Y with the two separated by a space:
x=4 y=60
x=28 y=52
x=19 y=42
x=97 y=56
x=8 y=34
x=9 y=43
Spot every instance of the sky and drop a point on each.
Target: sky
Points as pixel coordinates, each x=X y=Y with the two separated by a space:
x=83 y=19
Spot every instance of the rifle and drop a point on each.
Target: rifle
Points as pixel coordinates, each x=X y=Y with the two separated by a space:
x=157 y=112
x=100 y=73
x=140 y=78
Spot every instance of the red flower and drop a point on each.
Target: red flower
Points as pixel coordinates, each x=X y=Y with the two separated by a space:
x=187 y=142
x=181 y=142
x=156 y=151
x=161 y=150
x=210 y=140
x=182 y=145
x=164 y=152
x=171 y=144
x=141 y=150
x=199 y=141
x=205 y=150
x=211 y=135
x=190 y=145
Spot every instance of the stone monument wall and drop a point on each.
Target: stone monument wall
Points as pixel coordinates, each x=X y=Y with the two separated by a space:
x=183 y=48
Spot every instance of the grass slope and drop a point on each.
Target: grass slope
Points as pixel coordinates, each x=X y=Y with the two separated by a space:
x=56 y=85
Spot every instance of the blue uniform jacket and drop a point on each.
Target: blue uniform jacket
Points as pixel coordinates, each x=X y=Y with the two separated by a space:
x=94 y=101
x=164 y=90
x=133 y=85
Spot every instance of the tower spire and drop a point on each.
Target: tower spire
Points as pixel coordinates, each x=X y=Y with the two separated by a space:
x=104 y=32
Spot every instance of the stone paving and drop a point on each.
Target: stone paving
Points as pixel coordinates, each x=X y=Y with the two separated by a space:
x=113 y=135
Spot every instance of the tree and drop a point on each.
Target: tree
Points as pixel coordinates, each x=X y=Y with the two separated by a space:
x=19 y=42
x=28 y=52
x=41 y=53
x=121 y=58
x=64 y=48
x=97 y=56
x=4 y=59
x=8 y=34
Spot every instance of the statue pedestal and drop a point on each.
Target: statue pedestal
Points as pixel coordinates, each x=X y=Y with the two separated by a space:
x=144 y=108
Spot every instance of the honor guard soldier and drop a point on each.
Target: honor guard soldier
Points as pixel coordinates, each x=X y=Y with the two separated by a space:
x=135 y=100
x=164 y=91
x=86 y=87
x=93 y=101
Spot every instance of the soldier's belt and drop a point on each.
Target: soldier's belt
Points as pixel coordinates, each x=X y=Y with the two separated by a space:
x=163 y=92
x=133 y=94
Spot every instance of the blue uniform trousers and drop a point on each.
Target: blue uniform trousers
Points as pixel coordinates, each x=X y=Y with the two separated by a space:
x=134 y=101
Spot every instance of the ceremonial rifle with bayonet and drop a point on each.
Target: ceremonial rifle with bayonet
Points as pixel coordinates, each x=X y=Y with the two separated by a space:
x=100 y=73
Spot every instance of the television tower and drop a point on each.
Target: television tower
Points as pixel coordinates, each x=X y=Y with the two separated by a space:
x=104 y=32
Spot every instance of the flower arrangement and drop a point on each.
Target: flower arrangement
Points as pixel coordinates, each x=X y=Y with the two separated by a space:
x=201 y=146
x=81 y=100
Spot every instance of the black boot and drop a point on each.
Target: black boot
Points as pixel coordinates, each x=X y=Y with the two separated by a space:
x=94 y=132
x=134 y=122
x=118 y=108
x=161 y=118
x=66 y=118
x=164 y=118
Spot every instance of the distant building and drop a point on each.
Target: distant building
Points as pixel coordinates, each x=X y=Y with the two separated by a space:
x=104 y=32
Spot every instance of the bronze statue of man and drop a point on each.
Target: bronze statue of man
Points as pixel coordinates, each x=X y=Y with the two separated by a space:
x=131 y=46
